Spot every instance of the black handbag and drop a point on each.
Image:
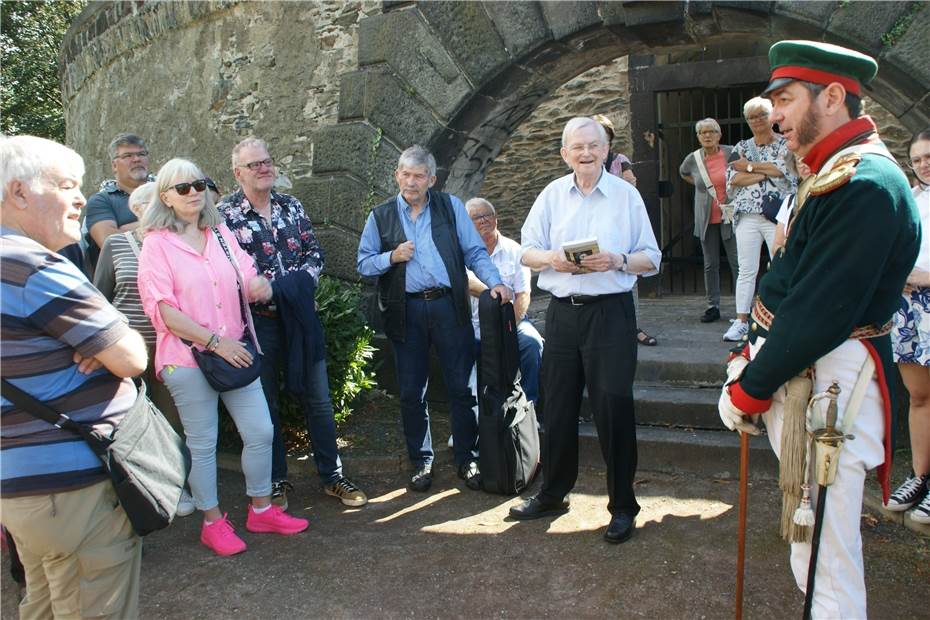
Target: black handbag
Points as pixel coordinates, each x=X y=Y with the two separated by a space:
x=220 y=374
x=147 y=462
x=771 y=203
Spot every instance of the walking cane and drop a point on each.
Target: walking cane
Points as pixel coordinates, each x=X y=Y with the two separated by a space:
x=741 y=533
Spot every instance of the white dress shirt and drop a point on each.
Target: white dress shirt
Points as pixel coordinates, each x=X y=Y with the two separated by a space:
x=613 y=212
x=506 y=257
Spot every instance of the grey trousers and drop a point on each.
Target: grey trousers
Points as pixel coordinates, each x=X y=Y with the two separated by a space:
x=711 y=247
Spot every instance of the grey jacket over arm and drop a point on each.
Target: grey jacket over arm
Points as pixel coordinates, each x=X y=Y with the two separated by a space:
x=702 y=198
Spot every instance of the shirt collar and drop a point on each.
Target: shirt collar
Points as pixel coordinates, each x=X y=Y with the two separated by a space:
x=856 y=131
x=240 y=199
x=404 y=206
x=601 y=185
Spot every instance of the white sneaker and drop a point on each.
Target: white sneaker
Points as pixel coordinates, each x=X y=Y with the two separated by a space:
x=737 y=330
x=185 y=504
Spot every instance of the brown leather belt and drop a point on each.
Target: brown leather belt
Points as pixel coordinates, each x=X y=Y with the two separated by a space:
x=764 y=317
x=431 y=293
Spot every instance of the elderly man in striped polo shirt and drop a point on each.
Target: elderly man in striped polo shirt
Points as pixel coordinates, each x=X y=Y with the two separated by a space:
x=64 y=344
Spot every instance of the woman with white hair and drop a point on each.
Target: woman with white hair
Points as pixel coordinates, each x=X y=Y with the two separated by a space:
x=706 y=170
x=757 y=182
x=193 y=276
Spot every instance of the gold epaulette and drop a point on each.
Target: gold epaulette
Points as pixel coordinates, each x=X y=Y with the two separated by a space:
x=839 y=174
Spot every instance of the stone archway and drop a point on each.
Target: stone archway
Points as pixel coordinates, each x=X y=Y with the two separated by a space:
x=467 y=74
x=457 y=77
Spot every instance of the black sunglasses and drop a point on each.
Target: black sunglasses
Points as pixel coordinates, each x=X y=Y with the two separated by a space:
x=184 y=189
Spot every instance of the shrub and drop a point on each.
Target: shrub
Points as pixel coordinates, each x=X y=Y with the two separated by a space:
x=348 y=361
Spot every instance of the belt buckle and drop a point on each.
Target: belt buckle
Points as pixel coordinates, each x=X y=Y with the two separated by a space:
x=571 y=299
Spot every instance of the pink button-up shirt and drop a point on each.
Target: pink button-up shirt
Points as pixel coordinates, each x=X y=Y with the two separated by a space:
x=202 y=286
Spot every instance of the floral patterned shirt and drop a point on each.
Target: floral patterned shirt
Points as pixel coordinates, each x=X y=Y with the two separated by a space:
x=284 y=245
x=749 y=199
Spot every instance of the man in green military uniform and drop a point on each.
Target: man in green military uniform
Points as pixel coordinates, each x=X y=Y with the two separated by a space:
x=824 y=308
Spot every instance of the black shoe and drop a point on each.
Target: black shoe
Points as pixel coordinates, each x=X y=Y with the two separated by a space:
x=534 y=508
x=710 y=315
x=470 y=473
x=620 y=529
x=422 y=479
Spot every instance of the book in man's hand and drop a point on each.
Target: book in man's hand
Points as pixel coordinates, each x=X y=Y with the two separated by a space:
x=576 y=250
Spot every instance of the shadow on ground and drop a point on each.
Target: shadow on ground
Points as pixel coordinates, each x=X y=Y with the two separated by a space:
x=453 y=553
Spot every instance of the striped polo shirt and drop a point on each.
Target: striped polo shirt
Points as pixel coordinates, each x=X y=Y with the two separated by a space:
x=49 y=310
x=117 y=277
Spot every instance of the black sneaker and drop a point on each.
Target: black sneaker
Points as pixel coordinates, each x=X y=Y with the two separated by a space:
x=921 y=513
x=422 y=479
x=279 y=491
x=710 y=315
x=909 y=493
x=471 y=474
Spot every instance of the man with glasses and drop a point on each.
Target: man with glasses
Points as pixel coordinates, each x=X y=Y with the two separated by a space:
x=591 y=322
x=108 y=211
x=505 y=254
x=275 y=230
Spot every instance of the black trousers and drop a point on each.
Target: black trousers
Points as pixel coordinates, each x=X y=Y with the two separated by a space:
x=594 y=345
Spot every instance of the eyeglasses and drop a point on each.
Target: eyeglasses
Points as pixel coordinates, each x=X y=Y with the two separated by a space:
x=125 y=156
x=917 y=162
x=708 y=132
x=212 y=185
x=482 y=218
x=184 y=189
x=581 y=148
x=258 y=165
x=757 y=117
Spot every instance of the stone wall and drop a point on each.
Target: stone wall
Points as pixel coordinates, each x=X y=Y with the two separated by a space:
x=530 y=159
x=195 y=78
x=328 y=86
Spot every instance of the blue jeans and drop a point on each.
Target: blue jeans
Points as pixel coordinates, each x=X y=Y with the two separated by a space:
x=530 y=343
x=435 y=323
x=315 y=403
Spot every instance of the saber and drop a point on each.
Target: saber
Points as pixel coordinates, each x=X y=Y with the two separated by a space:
x=741 y=533
x=827 y=442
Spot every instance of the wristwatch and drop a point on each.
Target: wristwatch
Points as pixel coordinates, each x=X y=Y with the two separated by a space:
x=749 y=168
x=625 y=263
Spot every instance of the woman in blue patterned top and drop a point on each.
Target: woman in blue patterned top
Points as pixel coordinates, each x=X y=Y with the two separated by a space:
x=757 y=174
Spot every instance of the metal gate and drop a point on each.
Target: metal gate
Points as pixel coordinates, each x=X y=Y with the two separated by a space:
x=676 y=113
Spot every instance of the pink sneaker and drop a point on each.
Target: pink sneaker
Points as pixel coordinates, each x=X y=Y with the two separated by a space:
x=274 y=520
x=221 y=538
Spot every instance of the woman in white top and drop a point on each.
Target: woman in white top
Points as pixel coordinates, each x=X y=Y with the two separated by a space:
x=911 y=341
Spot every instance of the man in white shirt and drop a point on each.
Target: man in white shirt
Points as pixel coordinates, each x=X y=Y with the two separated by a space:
x=505 y=254
x=590 y=323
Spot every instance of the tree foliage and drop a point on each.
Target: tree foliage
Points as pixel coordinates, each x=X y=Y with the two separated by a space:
x=30 y=37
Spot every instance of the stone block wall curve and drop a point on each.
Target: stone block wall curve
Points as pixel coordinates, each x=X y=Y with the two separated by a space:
x=339 y=88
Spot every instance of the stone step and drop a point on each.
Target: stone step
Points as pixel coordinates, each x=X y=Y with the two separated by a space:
x=671 y=405
x=673 y=450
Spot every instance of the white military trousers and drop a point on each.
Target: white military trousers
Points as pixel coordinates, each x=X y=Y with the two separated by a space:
x=839 y=585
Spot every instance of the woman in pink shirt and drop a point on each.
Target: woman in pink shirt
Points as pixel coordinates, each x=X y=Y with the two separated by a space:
x=190 y=291
x=710 y=226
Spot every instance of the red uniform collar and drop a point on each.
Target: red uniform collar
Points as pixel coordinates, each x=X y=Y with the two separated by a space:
x=856 y=131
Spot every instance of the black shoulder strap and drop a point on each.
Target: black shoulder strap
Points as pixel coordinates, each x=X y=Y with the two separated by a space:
x=37 y=408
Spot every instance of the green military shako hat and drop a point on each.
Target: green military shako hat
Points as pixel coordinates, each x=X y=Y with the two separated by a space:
x=819 y=63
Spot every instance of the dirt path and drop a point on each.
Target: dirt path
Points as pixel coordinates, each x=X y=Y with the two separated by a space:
x=452 y=553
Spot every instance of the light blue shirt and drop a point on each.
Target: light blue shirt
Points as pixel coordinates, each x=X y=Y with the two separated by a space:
x=613 y=213
x=425 y=269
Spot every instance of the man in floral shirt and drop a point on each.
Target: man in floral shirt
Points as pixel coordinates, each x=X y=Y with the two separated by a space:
x=276 y=231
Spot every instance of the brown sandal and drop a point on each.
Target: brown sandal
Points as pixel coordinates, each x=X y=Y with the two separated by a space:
x=645 y=339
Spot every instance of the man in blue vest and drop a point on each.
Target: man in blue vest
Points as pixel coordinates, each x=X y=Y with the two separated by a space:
x=418 y=245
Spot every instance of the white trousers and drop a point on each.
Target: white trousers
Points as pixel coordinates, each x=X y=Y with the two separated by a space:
x=839 y=580
x=751 y=230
